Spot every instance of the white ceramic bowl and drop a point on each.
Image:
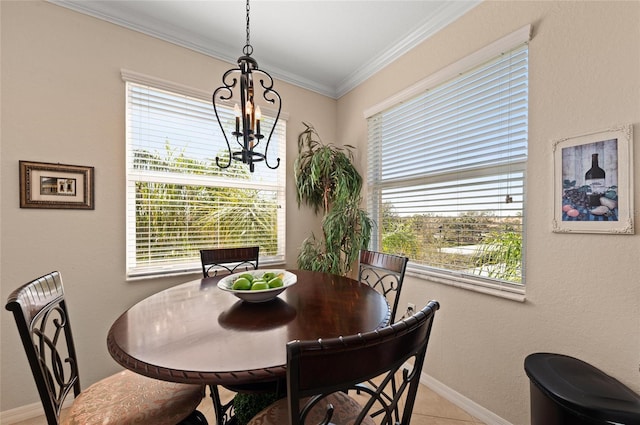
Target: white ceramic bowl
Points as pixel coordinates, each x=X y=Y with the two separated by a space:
x=264 y=295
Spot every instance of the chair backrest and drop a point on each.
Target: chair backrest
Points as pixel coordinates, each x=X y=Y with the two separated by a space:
x=229 y=259
x=41 y=316
x=319 y=368
x=384 y=273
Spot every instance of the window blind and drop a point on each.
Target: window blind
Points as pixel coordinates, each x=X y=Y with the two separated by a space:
x=179 y=201
x=446 y=173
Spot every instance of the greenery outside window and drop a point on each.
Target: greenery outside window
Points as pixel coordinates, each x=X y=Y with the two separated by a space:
x=446 y=174
x=178 y=200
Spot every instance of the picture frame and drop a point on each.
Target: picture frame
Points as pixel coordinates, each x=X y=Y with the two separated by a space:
x=593 y=182
x=60 y=186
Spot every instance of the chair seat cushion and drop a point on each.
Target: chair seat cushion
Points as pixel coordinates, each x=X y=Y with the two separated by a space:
x=130 y=398
x=345 y=412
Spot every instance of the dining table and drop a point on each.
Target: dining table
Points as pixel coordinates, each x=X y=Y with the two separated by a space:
x=199 y=334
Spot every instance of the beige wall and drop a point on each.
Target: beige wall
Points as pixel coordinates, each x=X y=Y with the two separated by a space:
x=583 y=291
x=63 y=101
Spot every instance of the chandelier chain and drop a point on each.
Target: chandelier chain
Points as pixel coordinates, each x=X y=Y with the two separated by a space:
x=248 y=41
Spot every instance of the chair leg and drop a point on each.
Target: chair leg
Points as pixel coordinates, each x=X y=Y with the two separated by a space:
x=222 y=411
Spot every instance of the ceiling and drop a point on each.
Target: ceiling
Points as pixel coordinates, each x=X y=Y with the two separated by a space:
x=326 y=46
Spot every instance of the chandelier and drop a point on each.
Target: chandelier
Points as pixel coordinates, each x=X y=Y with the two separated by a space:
x=240 y=85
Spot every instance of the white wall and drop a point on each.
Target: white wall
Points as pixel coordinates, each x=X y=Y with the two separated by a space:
x=63 y=100
x=583 y=291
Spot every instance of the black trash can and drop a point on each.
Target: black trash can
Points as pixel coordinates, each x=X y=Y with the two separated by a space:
x=568 y=391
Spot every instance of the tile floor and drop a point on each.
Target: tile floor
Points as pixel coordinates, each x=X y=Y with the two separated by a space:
x=429 y=409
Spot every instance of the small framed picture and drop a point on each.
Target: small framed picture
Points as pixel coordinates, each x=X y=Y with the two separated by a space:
x=45 y=185
x=593 y=182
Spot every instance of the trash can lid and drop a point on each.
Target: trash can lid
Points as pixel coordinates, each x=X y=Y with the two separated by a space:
x=582 y=388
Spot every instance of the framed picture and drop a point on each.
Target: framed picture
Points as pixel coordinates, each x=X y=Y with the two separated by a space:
x=45 y=185
x=593 y=182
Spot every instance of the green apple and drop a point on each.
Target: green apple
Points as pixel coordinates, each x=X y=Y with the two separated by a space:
x=247 y=276
x=268 y=276
x=259 y=286
x=241 y=284
x=276 y=282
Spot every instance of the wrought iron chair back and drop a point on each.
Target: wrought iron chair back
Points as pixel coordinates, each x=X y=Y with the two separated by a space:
x=229 y=259
x=321 y=373
x=384 y=273
x=42 y=319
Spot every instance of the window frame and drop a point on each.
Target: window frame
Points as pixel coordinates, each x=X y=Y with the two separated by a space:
x=480 y=284
x=134 y=271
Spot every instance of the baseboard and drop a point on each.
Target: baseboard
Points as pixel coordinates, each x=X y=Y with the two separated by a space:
x=21 y=413
x=466 y=404
x=30 y=411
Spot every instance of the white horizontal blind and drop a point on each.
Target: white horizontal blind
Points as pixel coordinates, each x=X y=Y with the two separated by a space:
x=179 y=201
x=446 y=173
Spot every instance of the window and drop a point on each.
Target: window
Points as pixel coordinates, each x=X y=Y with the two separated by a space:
x=446 y=173
x=178 y=200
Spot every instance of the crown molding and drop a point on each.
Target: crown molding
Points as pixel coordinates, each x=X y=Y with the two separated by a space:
x=446 y=14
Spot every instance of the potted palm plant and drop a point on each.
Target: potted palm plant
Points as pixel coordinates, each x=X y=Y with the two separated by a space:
x=327 y=181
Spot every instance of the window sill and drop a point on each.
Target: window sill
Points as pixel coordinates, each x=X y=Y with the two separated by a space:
x=483 y=286
x=196 y=269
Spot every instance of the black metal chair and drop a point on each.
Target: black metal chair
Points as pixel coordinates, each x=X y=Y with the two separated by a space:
x=384 y=273
x=41 y=315
x=320 y=373
x=229 y=259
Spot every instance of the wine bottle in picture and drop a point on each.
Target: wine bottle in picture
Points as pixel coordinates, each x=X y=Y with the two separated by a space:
x=594 y=178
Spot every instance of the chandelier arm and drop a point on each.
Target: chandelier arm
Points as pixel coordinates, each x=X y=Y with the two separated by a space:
x=229 y=85
x=271 y=96
x=215 y=109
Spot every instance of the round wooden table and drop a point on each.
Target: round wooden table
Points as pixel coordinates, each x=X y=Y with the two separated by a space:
x=196 y=333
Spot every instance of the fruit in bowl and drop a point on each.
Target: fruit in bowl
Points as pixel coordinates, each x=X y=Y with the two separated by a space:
x=248 y=282
x=257 y=285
